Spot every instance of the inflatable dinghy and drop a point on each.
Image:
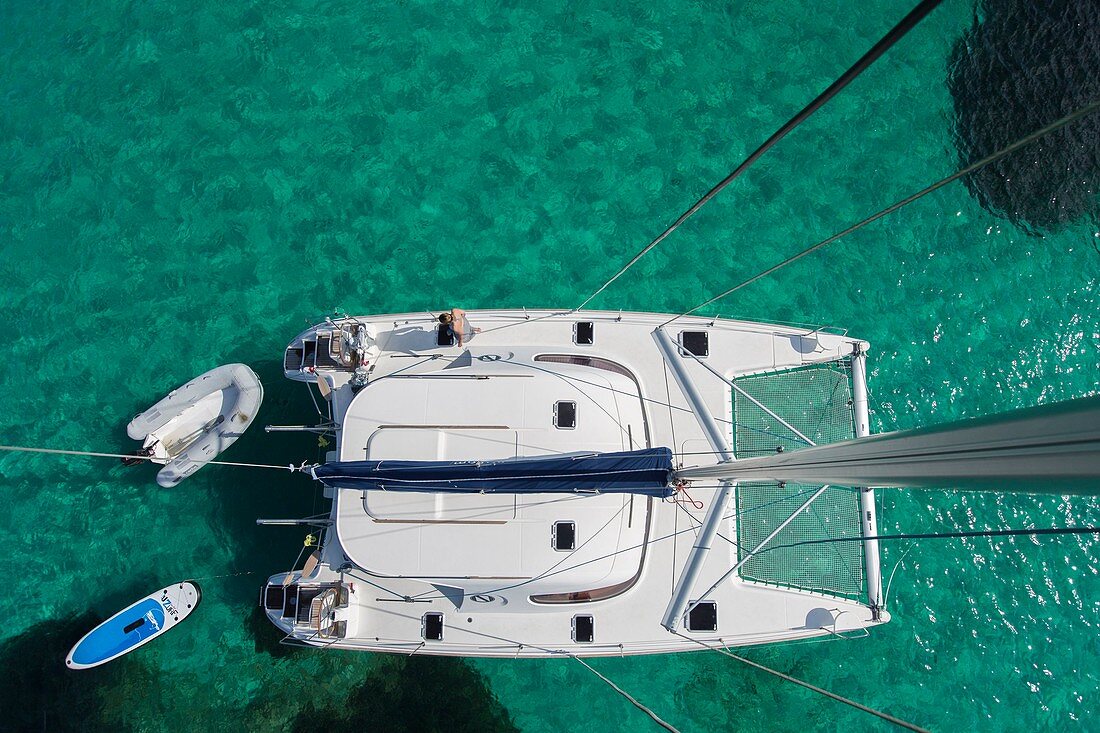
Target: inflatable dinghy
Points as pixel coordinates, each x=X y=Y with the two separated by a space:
x=135 y=625
x=193 y=424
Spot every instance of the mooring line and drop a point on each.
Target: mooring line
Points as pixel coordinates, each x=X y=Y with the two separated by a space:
x=93 y=454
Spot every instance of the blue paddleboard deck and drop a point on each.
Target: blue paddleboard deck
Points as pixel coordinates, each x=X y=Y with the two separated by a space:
x=135 y=625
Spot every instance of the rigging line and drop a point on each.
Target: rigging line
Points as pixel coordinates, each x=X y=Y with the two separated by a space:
x=631 y=548
x=627 y=695
x=613 y=390
x=831 y=695
x=553 y=567
x=758 y=549
x=992 y=158
x=947 y=535
x=621 y=551
x=21 y=449
x=525 y=321
x=896 y=33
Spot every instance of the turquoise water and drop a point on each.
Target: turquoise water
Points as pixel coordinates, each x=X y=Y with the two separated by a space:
x=185 y=184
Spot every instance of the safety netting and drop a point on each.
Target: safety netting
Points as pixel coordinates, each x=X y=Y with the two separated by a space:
x=816 y=403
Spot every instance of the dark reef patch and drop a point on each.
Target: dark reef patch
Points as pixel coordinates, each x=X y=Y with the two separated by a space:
x=239 y=496
x=423 y=694
x=268 y=637
x=1022 y=65
x=37 y=691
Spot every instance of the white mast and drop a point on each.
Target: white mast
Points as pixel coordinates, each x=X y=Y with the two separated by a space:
x=1052 y=448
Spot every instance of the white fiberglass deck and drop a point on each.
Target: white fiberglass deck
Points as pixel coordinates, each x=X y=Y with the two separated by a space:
x=487 y=562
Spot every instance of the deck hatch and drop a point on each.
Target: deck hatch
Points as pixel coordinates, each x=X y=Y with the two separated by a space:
x=292 y=360
x=703 y=617
x=583 y=629
x=431 y=626
x=565 y=415
x=695 y=342
x=290 y=602
x=584 y=333
x=274 y=596
x=563 y=536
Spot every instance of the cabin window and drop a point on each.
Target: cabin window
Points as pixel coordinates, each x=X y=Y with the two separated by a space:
x=564 y=536
x=432 y=626
x=565 y=415
x=584 y=333
x=703 y=617
x=583 y=629
x=695 y=342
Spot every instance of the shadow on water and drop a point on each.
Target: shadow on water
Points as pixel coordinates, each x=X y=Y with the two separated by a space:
x=239 y=496
x=1020 y=66
x=37 y=692
x=414 y=694
x=267 y=636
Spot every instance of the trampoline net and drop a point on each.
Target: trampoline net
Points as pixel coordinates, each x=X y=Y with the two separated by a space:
x=834 y=567
x=817 y=402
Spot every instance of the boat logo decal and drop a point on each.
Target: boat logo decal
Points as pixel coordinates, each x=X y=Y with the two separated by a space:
x=481 y=598
x=167 y=603
x=152 y=621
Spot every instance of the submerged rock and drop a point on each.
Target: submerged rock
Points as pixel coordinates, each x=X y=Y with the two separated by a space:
x=1022 y=65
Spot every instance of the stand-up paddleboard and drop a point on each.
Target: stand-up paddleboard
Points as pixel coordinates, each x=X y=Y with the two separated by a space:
x=135 y=625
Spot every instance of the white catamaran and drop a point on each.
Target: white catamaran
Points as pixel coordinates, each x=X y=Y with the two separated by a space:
x=593 y=483
x=590 y=483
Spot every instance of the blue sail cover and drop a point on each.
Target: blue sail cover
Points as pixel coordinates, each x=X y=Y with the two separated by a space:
x=645 y=472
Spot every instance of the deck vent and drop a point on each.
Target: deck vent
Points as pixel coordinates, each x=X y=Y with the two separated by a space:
x=431 y=626
x=564 y=536
x=584 y=333
x=703 y=617
x=565 y=415
x=583 y=629
x=695 y=342
x=445 y=335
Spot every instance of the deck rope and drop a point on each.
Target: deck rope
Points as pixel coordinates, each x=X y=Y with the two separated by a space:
x=896 y=33
x=656 y=719
x=992 y=158
x=831 y=695
x=93 y=454
x=1032 y=532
